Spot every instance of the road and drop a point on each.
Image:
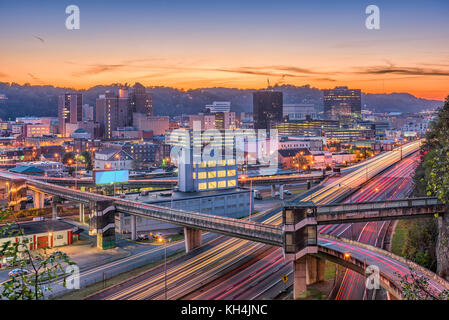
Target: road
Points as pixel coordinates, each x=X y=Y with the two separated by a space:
x=189 y=275
x=263 y=279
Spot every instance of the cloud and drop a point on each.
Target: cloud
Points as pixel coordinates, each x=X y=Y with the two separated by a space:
x=3 y=75
x=99 y=68
x=32 y=76
x=412 y=71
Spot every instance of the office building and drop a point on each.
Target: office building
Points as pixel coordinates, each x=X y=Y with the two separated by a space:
x=219 y=106
x=342 y=104
x=70 y=110
x=267 y=108
x=140 y=101
x=299 y=111
x=113 y=111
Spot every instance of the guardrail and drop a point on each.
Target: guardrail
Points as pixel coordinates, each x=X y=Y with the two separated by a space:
x=377 y=205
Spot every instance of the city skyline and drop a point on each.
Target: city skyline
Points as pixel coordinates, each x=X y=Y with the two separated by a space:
x=235 y=45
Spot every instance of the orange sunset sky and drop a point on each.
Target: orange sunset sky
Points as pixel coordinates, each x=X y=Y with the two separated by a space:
x=229 y=44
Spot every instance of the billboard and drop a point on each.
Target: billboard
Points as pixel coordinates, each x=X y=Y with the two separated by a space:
x=113 y=176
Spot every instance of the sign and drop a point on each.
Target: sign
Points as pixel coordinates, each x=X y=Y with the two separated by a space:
x=110 y=177
x=284 y=278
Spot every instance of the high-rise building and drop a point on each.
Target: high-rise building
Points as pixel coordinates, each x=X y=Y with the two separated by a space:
x=113 y=111
x=219 y=106
x=267 y=108
x=299 y=111
x=70 y=110
x=141 y=101
x=342 y=104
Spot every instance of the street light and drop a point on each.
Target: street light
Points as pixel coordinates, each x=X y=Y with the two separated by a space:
x=347 y=255
x=162 y=239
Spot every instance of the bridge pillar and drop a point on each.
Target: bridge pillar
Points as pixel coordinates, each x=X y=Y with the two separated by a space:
x=281 y=192
x=133 y=228
x=17 y=194
x=102 y=223
x=38 y=200
x=192 y=238
x=81 y=212
x=54 y=209
x=273 y=190
x=300 y=242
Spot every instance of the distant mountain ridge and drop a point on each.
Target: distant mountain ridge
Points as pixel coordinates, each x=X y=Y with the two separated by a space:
x=26 y=100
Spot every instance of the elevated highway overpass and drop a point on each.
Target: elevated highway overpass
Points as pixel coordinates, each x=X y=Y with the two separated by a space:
x=298 y=237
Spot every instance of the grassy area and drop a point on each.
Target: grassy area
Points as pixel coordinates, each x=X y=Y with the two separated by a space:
x=398 y=241
x=330 y=270
x=312 y=294
x=84 y=292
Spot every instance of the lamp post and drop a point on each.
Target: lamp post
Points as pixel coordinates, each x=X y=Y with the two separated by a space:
x=161 y=239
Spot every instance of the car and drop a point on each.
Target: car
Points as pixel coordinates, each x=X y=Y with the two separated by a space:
x=277 y=194
x=17 y=272
x=143 y=236
x=287 y=192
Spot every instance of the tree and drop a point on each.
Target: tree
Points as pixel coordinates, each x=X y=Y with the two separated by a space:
x=87 y=159
x=46 y=268
x=437 y=165
x=67 y=156
x=416 y=287
x=436 y=178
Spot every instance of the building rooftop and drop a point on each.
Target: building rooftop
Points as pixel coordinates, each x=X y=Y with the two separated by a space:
x=166 y=196
x=43 y=226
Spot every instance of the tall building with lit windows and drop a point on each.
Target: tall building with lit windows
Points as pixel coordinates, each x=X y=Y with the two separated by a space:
x=70 y=110
x=140 y=101
x=113 y=111
x=342 y=104
x=205 y=163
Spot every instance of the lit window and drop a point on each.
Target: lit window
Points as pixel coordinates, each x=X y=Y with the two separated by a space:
x=212 y=164
x=202 y=186
x=202 y=175
x=222 y=163
x=222 y=184
x=231 y=173
x=212 y=174
x=212 y=185
x=194 y=175
x=222 y=173
x=231 y=162
x=231 y=183
x=203 y=164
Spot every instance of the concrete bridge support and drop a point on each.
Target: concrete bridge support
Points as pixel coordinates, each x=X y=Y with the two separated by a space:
x=133 y=228
x=281 y=192
x=102 y=223
x=307 y=270
x=38 y=200
x=273 y=190
x=192 y=238
x=17 y=194
x=54 y=209
x=81 y=213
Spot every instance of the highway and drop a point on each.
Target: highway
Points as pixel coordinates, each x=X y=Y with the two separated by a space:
x=263 y=279
x=208 y=266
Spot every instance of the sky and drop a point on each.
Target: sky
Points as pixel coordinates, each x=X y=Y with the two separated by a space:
x=238 y=44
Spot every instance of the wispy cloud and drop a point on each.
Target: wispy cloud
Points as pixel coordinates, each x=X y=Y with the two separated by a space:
x=3 y=75
x=32 y=76
x=412 y=71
